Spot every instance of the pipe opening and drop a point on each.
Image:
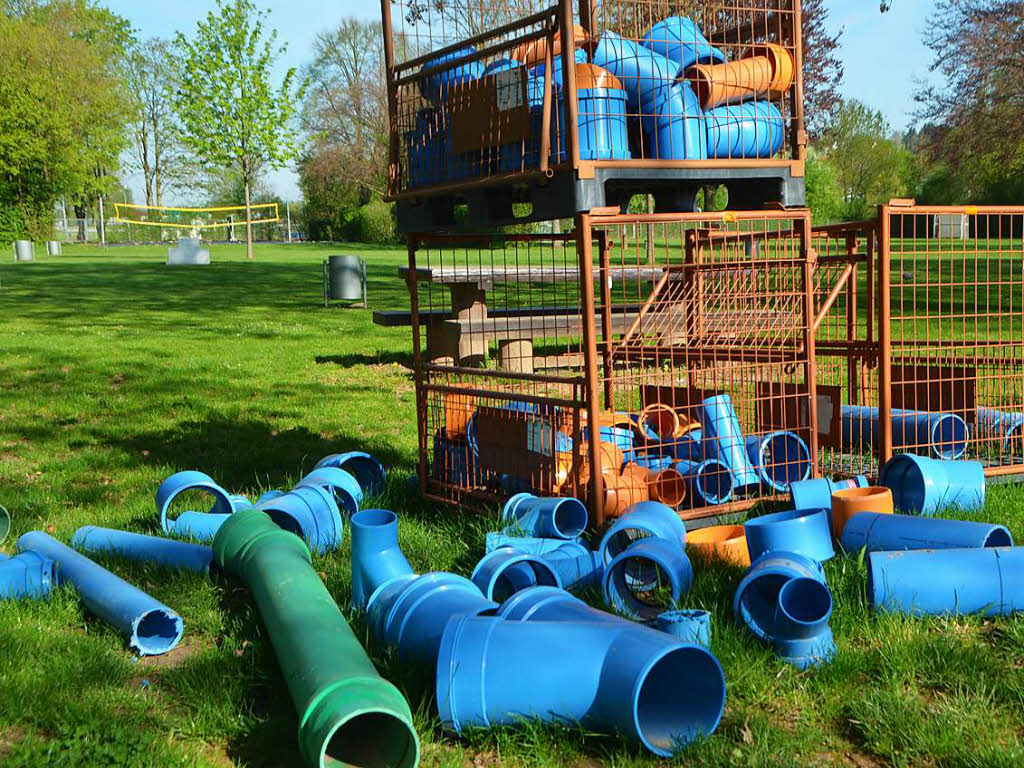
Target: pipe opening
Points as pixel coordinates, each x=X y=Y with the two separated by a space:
x=759 y=599
x=371 y=740
x=619 y=541
x=666 y=720
x=374 y=518
x=805 y=601
x=368 y=473
x=519 y=576
x=570 y=518
x=195 y=500
x=669 y=487
x=949 y=437
x=644 y=587
x=785 y=460
x=905 y=479
x=997 y=537
x=157 y=632
x=285 y=521
x=714 y=482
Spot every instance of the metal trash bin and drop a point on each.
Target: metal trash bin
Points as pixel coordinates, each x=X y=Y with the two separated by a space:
x=53 y=248
x=344 y=279
x=24 y=250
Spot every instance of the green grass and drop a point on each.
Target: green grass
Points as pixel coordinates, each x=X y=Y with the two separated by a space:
x=118 y=371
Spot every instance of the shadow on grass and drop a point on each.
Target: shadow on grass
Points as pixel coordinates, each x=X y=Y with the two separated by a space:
x=381 y=357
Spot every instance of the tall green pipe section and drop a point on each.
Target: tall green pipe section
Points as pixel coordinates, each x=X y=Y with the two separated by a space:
x=348 y=714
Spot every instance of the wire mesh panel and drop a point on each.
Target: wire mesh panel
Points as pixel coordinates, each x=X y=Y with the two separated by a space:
x=954 y=346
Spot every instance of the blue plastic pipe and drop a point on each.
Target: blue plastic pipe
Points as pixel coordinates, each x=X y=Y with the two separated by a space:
x=364 y=467
x=376 y=556
x=200 y=526
x=709 y=482
x=947 y=581
x=991 y=424
x=723 y=439
x=647 y=518
x=925 y=486
x=150 y=626
x=503 y=572
x=878 y=532
x=673 y=123
x=549 y=518
x=800 y=633
x=575 y=564
x=311 y=513
x=28 y=575
x=641 y=71
x=817 y=493
x=681 y=40
x=610 y=677
x=751 y=130
x=530 y=545
x=191 y=480
x=443 y=73
x=692 y=627
x=804 y=531
x=781 y=458
x=757 y=595
x=647 y=566
x=944 y=435
x=553 y=604
x=343 y=485
x=144 y=549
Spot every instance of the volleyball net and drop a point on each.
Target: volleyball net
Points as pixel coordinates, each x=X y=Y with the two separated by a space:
x=198 y=219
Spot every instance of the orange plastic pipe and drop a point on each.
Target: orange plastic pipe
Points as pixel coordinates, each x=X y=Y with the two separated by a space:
x=717 y=84
x=623 y=491
x=667 y=486
x=849 y=501
x=782 y=66
x=726 y=543
x=535 y=52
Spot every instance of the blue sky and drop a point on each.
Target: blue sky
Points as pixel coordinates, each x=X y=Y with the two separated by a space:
x=882 y=53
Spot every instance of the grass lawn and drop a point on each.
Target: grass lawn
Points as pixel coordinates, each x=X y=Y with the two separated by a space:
x=118 y=371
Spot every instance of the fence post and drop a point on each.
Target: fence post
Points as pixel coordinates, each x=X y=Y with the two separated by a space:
x=884 y=337
x=102 y=224
x=585 y=251
x=808 y=258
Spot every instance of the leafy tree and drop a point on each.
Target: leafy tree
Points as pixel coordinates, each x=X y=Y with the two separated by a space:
x=234 y=117
x=824 y=192
x=823 y=72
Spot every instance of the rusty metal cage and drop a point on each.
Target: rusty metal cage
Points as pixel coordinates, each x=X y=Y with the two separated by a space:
x=652 y=98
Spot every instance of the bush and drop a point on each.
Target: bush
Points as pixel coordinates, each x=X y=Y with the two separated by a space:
x=12 y=224
x=374 y=223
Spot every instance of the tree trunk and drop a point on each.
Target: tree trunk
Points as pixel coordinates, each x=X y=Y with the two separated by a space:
x=248 y=223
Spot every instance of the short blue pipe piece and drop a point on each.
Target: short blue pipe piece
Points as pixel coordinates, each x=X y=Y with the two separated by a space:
x=443 y=73
x=688 y=448
x=817 y=493
x=991 y=425
x=168 y=553
x=607 y=676
x=311 y=513
x=503 y=572
x=622 y=437
x=645 y=568
x=681 y=40
x=925 y=486
x=943 y=435
x=708 y=482
x=364 y=467
x=751 y=130
x=781 y=458
x=28 y=575
x=757 y=595
x=801 y=635
x=934 y=582
x=190 y=480
x=239 y=501
x=723 y=439
x=376 y=556
x=150 y=626
x=877 y=532
x=575 y=564
x=200 y=526
x=640 y=70
x=804 y=531
x=341 y=484
x=692 y=627
x=549 y=518
x=530 y=545
x=646 y=518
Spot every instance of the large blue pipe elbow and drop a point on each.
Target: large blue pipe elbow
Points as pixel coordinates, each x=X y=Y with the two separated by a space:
x=531 y=545
x=647 y=518
x=548 y=518
x=757 y=595
x=924 y=485
x=781 y=458
x=817 y=493
x=28 y=575
x=552 y=604
x=365 y=468
x=681 y=40
x=311 y=513
x=752 y=130
x=723 y=439
x=642 y=72
x=887 y=533
x=191 y=480
x=804 y=531
x=376 y=556
x=150 y=626
x=341 y=484
x=503 y=572
x=646 y=566
x=944 y=434
x=800 y=632
x=607 y=676
x=947 y=581
x=144 y=549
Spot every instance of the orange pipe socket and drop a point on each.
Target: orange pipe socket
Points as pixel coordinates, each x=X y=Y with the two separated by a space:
x=535 y=52
x=664 y=422
x=726 y=543
x=782 y=67
x=667 y=486
x=849 y=501
x=623 y=491
x=717 y=84
x=457 y=410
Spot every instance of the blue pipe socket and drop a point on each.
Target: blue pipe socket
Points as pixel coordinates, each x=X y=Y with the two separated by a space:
x=692 y=627
x=503 y=572
x=26 y=576
x=548 y=518
x=681 y=40
x=376 y=556
x=648 y=572
x=150 y=626
x=709 y=482
x=347 y=492
x=530 y=545
x=991 y=425
x=889 y=533
x=947 y=582
x=944 y=435
x=645 y=519
x=193 y=524
x=817 y=493
x=781 y=458
x=723 y=439
x=804 y=531
x=311 y=513
x=365 y=468
x=923 y=485
x=167 y=553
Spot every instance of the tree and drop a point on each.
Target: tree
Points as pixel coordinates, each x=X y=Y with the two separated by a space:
x=233 y=116
x=823 y=72
x=824 y=192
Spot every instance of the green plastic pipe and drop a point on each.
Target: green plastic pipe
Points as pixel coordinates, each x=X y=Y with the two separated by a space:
x=348 y=714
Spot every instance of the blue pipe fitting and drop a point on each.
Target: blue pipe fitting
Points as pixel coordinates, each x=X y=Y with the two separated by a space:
x=990 y=425
x=709 y=482
x=310 y=513
x=757 y=595
x=801 y=635
x=548 y=518
x=673 y=123
x=26 y=576
x=646 y=518
x=269 y=496
x=621 y=437
x=530 y=545
x=935 y=582
x=239 y=501
x=190 y=480
x=817 y=493
x=575 y=564
x=200 y=526
x=944 y=435
x=365 y=468
x=692 y=627
x=168 y=553
x=781 y=458
x=646 y=566
x=150 y=626
x=804 y=531
x=751 y=130
x=553 y=604
x=877 y=532
x=444 y=73
x=723 y=439
x=923 y=485
x=502 y=573
x=641 y=71
x=341 y=484
x=376 y=556
x=606 y=676
x=681 y=40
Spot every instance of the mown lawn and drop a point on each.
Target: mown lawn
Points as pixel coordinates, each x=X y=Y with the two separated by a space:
x=118 y=371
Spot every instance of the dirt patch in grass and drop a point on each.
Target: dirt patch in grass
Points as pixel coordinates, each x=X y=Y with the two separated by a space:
x=9 y=738
x=185 y=650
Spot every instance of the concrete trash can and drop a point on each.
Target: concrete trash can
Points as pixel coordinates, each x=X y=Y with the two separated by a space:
x=53 y=248
x=24 y=250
